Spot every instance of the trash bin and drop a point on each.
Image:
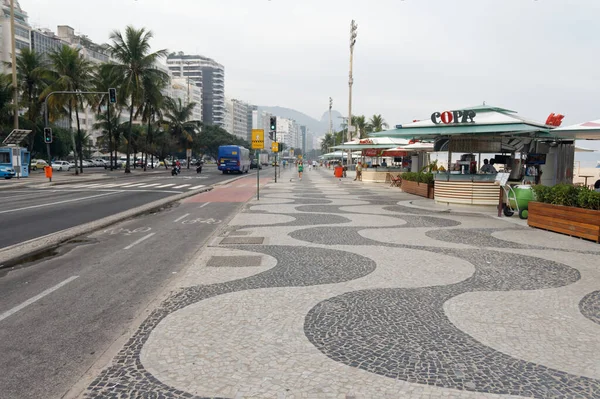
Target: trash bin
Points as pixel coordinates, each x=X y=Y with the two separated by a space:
x=338 y=171
x=520 y=199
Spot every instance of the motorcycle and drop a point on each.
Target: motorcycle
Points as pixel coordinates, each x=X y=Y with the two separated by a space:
x=175 y=171
x=199 y=167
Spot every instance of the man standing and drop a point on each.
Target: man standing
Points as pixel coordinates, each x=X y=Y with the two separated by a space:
x=358 y=172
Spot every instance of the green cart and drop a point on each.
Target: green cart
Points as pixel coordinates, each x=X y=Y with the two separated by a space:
x=517 y=200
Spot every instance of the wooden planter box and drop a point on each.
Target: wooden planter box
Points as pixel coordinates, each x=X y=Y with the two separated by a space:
x=576 y=222
x=416 y=188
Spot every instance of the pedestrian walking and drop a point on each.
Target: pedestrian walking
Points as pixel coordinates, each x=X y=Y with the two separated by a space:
x=300 y=170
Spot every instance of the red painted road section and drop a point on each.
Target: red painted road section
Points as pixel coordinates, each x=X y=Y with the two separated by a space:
x=238 y=191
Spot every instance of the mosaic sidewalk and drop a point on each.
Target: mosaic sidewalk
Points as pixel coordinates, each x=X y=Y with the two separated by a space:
x=342 y=289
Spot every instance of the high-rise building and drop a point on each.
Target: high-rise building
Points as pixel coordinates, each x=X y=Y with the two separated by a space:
x=228 y=116
x=208 y=74
x=22 y=33
x=91 y=51
x=188 y=92
x=44 y=41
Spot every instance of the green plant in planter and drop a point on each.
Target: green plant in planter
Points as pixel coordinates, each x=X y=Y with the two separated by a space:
x=568 y=195
x=420 y=177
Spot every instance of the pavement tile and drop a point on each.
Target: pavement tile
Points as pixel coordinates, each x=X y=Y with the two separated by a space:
x=356 y=292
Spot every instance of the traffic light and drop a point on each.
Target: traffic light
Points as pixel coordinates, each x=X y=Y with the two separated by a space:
x=47 y=135
x=112 y=96
x=272 y=136
x=273 y=124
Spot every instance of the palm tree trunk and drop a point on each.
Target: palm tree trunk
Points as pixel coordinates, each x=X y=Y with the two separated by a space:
x=127 y=167
x=73 y=135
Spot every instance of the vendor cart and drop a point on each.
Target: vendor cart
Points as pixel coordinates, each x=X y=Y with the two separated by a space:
x=517 y=199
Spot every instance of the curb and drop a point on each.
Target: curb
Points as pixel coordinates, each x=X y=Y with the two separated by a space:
x=15 y=253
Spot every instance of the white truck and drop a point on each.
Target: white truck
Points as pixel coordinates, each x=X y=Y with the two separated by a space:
x=263 y=159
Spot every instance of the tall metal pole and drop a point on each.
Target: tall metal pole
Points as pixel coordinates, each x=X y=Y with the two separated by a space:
x=109 y=130
x=330 y=122
x=14 y=63
x=353 y=28
x=276 y=155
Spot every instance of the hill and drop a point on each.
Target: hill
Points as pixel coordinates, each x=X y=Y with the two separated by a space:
x=318 y=127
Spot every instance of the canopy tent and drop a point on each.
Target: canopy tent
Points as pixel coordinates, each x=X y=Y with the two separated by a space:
x=372 y=143
x=403 y=151
x=483 y=120
x=583 y=149
x=581 y=131
x=340 y=155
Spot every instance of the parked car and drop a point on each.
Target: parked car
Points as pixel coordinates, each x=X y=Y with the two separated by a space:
x=38 y=164
x=7 y=172
x=86 y=164
x=62 y=165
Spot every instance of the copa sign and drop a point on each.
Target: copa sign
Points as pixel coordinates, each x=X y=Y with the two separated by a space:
x=451 y=117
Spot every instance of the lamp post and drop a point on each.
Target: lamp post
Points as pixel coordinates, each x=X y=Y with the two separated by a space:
x=353 y=29
x=14 y=63
x=330 y=122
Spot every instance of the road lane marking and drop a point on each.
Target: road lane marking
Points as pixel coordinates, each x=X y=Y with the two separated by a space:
x=203 y=205
x=197 y=187
x=182 y=217
x=182 y=186
x=133 y=185
x=138 y=241
x=166 y=185
x=59 y=202
x=35 y=298
x=149 y=185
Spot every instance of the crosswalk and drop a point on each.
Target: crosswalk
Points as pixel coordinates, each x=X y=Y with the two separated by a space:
x=131 y=186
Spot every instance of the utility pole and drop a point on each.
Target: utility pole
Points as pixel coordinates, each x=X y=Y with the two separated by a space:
x=353 y=28
x=330 y=122
x=14 y=64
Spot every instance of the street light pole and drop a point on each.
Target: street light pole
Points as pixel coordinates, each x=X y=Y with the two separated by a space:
x=330 y=122
x=14 y=63
x=353 y=28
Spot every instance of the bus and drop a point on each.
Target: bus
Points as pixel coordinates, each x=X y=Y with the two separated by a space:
x=233 y=158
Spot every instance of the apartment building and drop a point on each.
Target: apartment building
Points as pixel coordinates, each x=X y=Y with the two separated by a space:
x=207 y=74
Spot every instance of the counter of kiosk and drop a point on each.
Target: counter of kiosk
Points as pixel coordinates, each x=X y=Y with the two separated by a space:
x=468 y=189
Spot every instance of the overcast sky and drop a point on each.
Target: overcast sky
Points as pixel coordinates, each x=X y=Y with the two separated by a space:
x=412 y=57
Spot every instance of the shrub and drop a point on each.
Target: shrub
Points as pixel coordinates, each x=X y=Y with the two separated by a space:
x=420 y=177
x=568 y=195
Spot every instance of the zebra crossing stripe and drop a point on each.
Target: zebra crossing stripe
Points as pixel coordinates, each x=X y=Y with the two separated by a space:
x=182 y=186
x=133 y=185
x=149 y=185
x=194 y=188
x=166 y=185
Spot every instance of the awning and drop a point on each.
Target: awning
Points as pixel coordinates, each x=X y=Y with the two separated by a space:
x=582 y=131
x=481 y=120
x=383 y=142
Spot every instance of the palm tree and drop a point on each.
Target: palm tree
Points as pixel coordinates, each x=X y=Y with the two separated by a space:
x=135 y=65
x=377 y=123
x=178 y=115
x=150 y=110
x=6 y=98
x=360 y=123
x=101 y=82
x=71 y=72
x=32 y=79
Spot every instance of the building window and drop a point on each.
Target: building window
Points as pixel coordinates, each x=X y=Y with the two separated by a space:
x=21 y=32
x=21 y=45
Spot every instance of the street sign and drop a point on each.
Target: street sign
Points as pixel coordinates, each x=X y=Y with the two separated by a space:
x=188 y=153
x=275 y=146
x=291 y=152
x=258 y=139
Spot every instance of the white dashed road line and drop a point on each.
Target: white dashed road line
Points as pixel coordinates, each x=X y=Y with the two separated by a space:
x=35 y=298
x=182 y=186
x=138 y=241
x=181 y=218
x=149 y=185
x=194 y=188
x=203 y=205
x=166 y=185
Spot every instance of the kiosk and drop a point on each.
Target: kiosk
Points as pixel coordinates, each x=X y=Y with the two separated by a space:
x=514 y=145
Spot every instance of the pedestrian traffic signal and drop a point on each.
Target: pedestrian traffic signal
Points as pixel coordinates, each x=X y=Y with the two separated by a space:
x=272 y=136
x=47 y=135
x=273 y=125
x=112 y=96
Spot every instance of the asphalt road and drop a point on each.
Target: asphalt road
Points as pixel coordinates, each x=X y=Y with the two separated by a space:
x=60 y=314
x=29 y=213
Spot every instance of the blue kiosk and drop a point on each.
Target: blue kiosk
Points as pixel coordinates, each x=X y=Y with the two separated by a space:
x=14 y=156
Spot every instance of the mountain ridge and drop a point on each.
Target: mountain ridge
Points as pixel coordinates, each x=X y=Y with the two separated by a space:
x=317 y=127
